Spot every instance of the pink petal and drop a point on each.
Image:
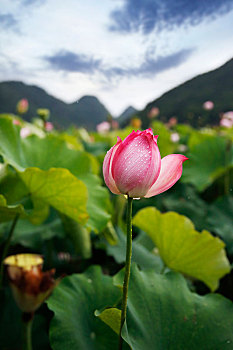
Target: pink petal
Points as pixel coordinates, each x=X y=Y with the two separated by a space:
x=136 y=164
x=171 y=171
x=107 y=168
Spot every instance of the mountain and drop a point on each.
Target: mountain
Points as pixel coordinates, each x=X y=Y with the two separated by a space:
x=186 y=101
x=87 y=112
x=126 y=114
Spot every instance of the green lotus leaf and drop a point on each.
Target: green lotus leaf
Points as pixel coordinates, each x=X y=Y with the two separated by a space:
x=219 y=218
x=34 y=236
x=208 y=160
x=74 y=302
x=58 y=188
x=98 y=203
x=9 y=212
x=112 y=317
x=166 y=146
x=52 y=151
x=182 y=248
x=163 y=314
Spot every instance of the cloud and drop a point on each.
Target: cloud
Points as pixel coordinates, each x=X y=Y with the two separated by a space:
x=33 y=2
x=71 y=62
x=152 y=66
x=8 y=21
x=150 y=15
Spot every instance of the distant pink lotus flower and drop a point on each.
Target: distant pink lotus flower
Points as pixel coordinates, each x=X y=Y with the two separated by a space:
x=227 y=123
x=226 y=119
x=25 y=132
x=49 y=126
x=134 y=166
x=103 y=127
x=172 y=121
x=114 y=124
x=182 y=148
x=16 y=122
x=208 y=105
x=22 y=106
x=153 y=113
x=175 y=137
x=228 y=115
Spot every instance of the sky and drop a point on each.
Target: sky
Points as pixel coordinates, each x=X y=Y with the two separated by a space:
x=124 y=52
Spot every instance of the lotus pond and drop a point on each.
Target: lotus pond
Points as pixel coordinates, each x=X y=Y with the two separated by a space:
x=64 y=237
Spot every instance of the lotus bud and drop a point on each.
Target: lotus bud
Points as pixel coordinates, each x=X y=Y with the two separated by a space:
x=134 y=167
x=22 y=106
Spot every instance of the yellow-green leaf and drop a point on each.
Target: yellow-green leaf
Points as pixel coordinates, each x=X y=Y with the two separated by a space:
x=182 y=248
x=112 y=317
x=8 y=212
x=60 y=189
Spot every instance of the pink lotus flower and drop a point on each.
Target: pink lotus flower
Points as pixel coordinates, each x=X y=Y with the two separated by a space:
x=134 y=166
x=25 y=132
x=228 y=115
x=153 y=113
x=16 y=122
x=225 y=122
x=208 y=105
x=103 y=127
x=175 y=137
x=49 y=126
x=226 y=119
x=172 y=121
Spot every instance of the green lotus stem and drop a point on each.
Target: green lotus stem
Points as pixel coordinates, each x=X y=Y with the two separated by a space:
x=27 y=330
x=127 y=267
x=119 y=210
x=6 y=247
x=79 y=236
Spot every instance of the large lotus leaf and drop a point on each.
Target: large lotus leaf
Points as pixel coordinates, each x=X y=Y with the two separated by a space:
x=44 y=153
x=182 y=248
x=74 y=303
x=71 y=141
x=207 y=161
x=9 y=212
x=163 y=314
x=184 y=130
x=186 y=201
x=58 y=188
x=140 y=255
x=52 y=152
x=12 y=187
x=219 y=218
x=197 y=137
x=34 y=236
x=98 y=204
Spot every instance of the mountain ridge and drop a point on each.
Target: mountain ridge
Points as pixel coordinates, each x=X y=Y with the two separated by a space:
x=88 y=111
x=185 y=101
